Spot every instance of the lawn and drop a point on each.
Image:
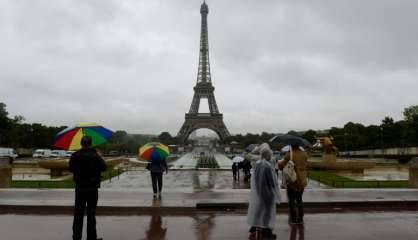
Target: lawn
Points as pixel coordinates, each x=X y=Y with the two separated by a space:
x=334 y=180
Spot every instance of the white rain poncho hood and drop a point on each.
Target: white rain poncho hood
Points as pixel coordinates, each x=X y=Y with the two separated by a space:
x=264 y=193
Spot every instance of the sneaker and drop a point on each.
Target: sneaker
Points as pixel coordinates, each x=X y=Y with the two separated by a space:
x=154 y=196
x=292 y=222
x=159 y=196
x=252 y=230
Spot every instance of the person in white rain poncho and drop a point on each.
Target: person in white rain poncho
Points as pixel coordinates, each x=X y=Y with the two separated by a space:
x=264 y=195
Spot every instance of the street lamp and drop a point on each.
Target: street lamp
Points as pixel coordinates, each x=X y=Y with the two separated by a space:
x=381 y=141
x=345 y=145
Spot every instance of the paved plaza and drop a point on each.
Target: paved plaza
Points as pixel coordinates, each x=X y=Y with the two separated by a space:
x=186 y=180
x=347 y=226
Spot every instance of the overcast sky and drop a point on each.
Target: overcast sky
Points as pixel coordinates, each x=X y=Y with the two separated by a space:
x=276 y=65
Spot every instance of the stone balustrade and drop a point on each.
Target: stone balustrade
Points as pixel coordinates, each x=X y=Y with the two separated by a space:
x=5 y=173
x=413 y=173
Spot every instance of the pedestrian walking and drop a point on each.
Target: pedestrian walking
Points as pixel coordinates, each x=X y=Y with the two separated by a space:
x=235 y=170
x=246 y=168
x=86 y=166
x=157 y=167
x=295 y=189
x=263 y=197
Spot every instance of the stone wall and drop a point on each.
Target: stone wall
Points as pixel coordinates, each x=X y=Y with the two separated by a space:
x=5 y=173
x=413 y=173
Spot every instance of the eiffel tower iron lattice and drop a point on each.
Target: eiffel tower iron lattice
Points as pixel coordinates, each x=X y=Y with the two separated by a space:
x=203 y=89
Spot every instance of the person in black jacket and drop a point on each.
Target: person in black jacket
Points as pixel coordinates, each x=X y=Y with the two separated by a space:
x=86 y=165
x=157 y=167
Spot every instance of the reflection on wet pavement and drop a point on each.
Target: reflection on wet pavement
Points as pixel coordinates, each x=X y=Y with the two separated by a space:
x=207 y=226
x=187 y=180
x=192 y=180
x=156 y=230
x=297 y=232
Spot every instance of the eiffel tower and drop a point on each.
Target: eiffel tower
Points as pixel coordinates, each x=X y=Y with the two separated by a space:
x=203 y=89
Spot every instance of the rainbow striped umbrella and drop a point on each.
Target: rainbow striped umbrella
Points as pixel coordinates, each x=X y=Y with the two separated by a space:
x=153 y=151
x=70 y=138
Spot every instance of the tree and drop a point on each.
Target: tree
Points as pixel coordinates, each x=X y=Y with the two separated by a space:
x=166 y=138
x=119 y=137
x=410 y=113
x=4 y=122
x=390 y=132
x=310 y=135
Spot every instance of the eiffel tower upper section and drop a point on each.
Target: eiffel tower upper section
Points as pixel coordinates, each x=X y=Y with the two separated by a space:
x=204 y=87
x=203 y=75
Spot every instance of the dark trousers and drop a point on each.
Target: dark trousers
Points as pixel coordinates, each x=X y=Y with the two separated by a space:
x=157 y=182
x=85 y=197
x=295 y=205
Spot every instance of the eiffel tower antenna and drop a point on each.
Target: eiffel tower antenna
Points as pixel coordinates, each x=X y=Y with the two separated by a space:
x=203 y=89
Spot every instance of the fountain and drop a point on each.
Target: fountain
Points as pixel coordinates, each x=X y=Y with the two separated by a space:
x=330 y=162
x=59 y=166
x=207 y=161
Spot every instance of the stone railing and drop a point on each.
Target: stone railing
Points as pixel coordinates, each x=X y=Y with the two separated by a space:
x=413 y=173
x=5 y=173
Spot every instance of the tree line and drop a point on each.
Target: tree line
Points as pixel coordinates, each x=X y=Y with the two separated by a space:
x=355 y=136
x=14 y=132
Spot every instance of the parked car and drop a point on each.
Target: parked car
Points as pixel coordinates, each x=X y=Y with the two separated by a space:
x=69 y=153
x=24 y=152
x=40 y=153
x=58 y=153
x=8 y=152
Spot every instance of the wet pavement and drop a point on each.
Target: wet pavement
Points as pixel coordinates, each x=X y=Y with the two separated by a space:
x=347 y=226
x=190 y=200
x=186 y=180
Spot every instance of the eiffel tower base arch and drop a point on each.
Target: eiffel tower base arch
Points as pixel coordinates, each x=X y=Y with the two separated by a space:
x=210 y=121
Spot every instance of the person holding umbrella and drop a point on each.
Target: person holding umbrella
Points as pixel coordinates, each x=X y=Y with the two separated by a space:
x=86 y=165
x=299 y=158
x=295 y=189
x=155 y=153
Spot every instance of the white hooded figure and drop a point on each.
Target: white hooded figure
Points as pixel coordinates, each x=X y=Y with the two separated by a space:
x=264 y=192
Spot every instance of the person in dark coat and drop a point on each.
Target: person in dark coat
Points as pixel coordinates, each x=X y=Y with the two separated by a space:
x=86 y=166
x=235 y=170
x=246 y=166
x=157 y=167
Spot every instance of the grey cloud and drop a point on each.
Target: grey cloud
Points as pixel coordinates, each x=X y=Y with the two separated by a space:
x=276 y=65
